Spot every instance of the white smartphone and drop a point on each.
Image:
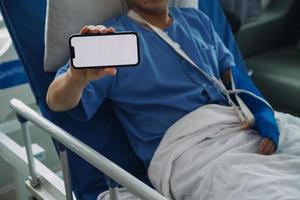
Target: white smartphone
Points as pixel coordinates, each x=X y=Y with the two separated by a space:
x=104 y=50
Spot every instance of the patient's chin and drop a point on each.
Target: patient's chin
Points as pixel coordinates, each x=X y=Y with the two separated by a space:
x=154 y=11
x=151 y=6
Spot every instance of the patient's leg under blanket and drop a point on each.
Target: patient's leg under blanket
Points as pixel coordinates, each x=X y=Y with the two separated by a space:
x=207 y=156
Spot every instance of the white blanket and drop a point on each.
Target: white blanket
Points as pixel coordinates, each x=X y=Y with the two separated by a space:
x=206 y=156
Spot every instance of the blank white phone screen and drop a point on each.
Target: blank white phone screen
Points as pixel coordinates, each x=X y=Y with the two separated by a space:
x=105 y=50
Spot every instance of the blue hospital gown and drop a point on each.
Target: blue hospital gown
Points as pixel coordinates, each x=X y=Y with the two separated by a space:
x=164 y=87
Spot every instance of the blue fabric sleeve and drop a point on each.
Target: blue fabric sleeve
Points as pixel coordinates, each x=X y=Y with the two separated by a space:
x=265 y=122
x=92 y=96
x=214 y=11
x=223 y=55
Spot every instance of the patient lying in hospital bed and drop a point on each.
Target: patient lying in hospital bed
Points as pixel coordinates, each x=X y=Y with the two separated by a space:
x=206 y=154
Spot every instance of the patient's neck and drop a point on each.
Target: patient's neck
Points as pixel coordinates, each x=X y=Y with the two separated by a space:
x=161 y=20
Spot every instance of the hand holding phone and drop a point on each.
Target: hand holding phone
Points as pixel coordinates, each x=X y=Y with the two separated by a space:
x=65 y=92
x=99 y=47
x=86 y=74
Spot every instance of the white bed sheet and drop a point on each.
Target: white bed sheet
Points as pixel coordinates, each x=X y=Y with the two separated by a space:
x=207 y=156
x=224 y=165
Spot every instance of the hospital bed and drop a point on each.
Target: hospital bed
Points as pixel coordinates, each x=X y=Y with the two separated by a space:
x=83 y=146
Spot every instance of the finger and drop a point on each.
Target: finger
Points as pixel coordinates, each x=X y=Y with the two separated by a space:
x=94 y=73
x=84 y=30
x=245 y=125
x=111 y=30
x=88 y=30
x=93 y=30
x=269 y=149
x=100 y=27
x=262 y=146
x=265 y=149
x=103 y=30
x=101 y=72
x=91 y=27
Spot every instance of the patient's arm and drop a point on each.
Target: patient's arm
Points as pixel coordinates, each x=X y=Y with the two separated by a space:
x=264 y=116
x=65 y=92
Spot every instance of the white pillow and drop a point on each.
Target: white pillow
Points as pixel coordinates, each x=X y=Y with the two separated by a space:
x=65 y=17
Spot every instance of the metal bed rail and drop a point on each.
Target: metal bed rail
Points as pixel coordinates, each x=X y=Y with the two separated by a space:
x=25 y=113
